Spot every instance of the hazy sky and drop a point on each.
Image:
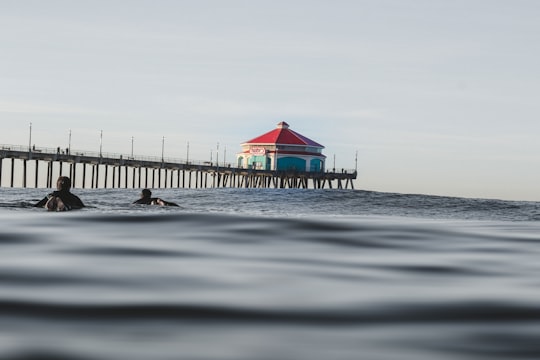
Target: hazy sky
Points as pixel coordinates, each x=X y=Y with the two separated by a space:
x=437 y=97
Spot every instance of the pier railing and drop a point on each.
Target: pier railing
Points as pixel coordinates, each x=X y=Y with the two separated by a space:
x=97 y=154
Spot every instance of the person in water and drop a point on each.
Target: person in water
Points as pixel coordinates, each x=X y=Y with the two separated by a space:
x=147 y=199
x=61 y=199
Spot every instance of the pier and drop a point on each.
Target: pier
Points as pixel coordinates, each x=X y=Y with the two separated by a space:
x=40 y=167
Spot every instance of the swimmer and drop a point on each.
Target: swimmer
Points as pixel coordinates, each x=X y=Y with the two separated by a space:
x=147 y=199
x=62 y=199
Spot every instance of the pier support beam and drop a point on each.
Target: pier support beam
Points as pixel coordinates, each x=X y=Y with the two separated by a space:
x=106 y=176
x=12 y=171
x=84 y=176
x=24 y=174
x=49 y=170
x=72 y=167
x=36 y=175
x=113 y=180
x=145 y=177
x=92 y=177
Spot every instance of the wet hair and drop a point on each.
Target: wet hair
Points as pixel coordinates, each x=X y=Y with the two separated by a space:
x=146 y=193
x=63 y=183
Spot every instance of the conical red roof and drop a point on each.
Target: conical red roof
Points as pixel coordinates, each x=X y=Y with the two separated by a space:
x=284 y=136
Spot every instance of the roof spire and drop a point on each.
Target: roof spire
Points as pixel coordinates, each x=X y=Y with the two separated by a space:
x=282 y=125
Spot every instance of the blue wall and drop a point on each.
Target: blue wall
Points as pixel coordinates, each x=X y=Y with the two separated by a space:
x=315 y=165
x=291 y=163
x=265 y=162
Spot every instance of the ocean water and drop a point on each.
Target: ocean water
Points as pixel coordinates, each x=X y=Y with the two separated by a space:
x=269 y=274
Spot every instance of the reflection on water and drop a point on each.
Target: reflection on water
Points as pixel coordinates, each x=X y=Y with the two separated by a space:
x=217 y=280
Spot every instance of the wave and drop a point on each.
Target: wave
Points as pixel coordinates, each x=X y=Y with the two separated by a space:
x=452 y=312
x=294 y=203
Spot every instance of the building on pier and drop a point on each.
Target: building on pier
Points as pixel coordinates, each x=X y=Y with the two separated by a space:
x=282 y=149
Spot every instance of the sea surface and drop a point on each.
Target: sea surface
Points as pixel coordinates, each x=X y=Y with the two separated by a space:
x=269 y=274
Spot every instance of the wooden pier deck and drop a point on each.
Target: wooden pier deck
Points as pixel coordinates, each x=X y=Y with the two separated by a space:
x=40 y=167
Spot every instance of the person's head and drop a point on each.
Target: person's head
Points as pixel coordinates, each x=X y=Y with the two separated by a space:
x=146 y=193
x=63 y=183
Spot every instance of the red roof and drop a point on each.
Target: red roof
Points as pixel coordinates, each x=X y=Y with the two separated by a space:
x=282 y=135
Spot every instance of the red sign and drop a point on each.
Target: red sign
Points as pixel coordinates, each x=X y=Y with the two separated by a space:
x=257 y=151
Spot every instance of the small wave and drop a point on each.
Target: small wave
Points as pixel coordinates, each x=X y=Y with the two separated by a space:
x=44 y=354
x=473 y=312
x=18 y=238
x=130 y=252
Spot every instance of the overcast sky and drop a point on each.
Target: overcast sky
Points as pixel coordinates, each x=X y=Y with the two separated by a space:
x=437 y=97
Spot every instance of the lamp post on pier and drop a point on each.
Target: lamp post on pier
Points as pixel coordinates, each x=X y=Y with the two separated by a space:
x=132 y=147
x=100 y=143
x=30 y=139
x=69 y=143
x=162 y=148
x=217 y=155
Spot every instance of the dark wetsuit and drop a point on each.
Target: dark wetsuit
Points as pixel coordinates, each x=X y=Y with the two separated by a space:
x=70 y=201
x=145 y=201
x=154 y=201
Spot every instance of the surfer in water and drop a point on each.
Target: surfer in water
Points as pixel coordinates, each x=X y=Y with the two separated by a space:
x=147 y=199
x=61 y=199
